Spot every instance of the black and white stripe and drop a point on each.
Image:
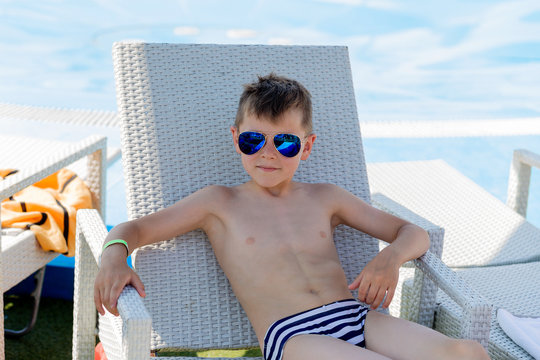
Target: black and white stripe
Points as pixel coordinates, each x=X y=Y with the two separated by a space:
x=341 y=319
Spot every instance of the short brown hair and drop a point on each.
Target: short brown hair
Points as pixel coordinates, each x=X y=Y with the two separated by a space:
x=271 y=96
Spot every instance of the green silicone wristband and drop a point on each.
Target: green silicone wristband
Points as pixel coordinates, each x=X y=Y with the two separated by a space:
x=117 y=241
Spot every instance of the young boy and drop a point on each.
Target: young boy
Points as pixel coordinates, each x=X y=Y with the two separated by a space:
x=289 y=279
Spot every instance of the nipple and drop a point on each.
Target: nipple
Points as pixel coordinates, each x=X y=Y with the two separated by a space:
x=323 y=234
x=250 y=240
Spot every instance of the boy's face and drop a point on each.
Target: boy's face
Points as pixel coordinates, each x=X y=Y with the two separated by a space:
x=268 y=167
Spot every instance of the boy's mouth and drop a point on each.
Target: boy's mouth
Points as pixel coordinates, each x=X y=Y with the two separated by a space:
x=266 y=168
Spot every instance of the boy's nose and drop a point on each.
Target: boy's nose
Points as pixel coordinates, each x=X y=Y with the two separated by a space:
x=269 y=150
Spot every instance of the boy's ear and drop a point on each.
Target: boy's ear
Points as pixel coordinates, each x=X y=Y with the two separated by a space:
x=308 y=146
x=234 y=132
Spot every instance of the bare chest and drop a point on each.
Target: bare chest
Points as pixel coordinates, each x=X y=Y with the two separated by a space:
x=280 y=230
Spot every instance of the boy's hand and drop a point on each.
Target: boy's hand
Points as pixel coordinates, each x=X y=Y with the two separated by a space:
x=113 y=275
x=377 y=279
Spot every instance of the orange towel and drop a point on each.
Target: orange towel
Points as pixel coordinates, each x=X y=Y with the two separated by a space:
x=48 y=208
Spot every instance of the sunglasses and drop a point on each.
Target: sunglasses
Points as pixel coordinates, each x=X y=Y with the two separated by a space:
x=288 y=145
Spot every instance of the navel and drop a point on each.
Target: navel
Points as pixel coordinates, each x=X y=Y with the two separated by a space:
x=323 y=234
x=250 y=240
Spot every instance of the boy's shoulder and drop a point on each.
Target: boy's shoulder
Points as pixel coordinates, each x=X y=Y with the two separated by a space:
x=322 y=190
x=322 y=187
x=217 y=191
x=222 y=193
x=332 y=193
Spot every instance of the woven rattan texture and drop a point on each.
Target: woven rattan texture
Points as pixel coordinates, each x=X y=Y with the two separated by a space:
x=176 y=99
x=511 y=287
x=124 y=337
x=479 y=229
x=420 y=298
x=36 y=159
x=68 y=116
x=21 y=257
x=519 y=179
x=90 y=232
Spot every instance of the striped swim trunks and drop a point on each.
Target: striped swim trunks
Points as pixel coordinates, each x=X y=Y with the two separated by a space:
x=342 y=319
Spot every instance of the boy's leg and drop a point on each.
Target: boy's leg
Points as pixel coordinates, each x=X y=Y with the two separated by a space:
x=315 y=347
x=402 y=339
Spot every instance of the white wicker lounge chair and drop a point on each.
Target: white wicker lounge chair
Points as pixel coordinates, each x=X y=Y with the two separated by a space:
x=168 y=95
x=490 y=245
x=73 y=122
x=36 y=159
x=47 y=125
x=520 y=178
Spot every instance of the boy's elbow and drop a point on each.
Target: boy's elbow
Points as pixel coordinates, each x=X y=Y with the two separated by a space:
x=421 y=239
x=426 y=242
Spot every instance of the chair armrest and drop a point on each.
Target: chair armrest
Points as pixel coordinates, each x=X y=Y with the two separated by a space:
x=476 y=310
x=476 y=320
x=519 y=180
x=123 y=337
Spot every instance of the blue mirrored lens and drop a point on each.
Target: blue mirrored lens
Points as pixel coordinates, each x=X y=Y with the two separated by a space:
x=287 y=144
x=250 y=142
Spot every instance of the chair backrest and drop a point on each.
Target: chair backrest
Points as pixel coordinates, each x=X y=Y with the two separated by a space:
x=173 y=96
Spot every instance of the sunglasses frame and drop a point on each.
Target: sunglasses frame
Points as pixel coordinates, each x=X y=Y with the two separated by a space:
x=273 y=142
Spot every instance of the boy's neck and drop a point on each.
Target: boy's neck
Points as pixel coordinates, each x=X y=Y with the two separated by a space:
x=280 y=191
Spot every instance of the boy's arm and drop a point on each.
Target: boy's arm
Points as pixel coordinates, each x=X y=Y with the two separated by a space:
x=407 y=242
x=380 y=276
x=193 y=212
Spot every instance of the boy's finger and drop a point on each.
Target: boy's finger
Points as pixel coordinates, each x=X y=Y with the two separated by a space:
x=363 y=291
x=372 y=294
x=115 y=300
x=378 y=300
x=112 y=308
x=389 y=297
x=138 y=285
x=105 y=299
x=356 y=282
x=97 y=302
x=112 y=301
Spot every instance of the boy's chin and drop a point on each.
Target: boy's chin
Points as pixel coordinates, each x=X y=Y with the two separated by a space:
x=269 y=183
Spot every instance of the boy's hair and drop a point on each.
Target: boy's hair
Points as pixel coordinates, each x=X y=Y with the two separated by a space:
x=271 y=96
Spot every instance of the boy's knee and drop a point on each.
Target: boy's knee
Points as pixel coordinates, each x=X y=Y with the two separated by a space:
x=466 y=349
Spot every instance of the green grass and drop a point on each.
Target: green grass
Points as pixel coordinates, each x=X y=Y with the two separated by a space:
x=51 y=337
x=214 y=353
